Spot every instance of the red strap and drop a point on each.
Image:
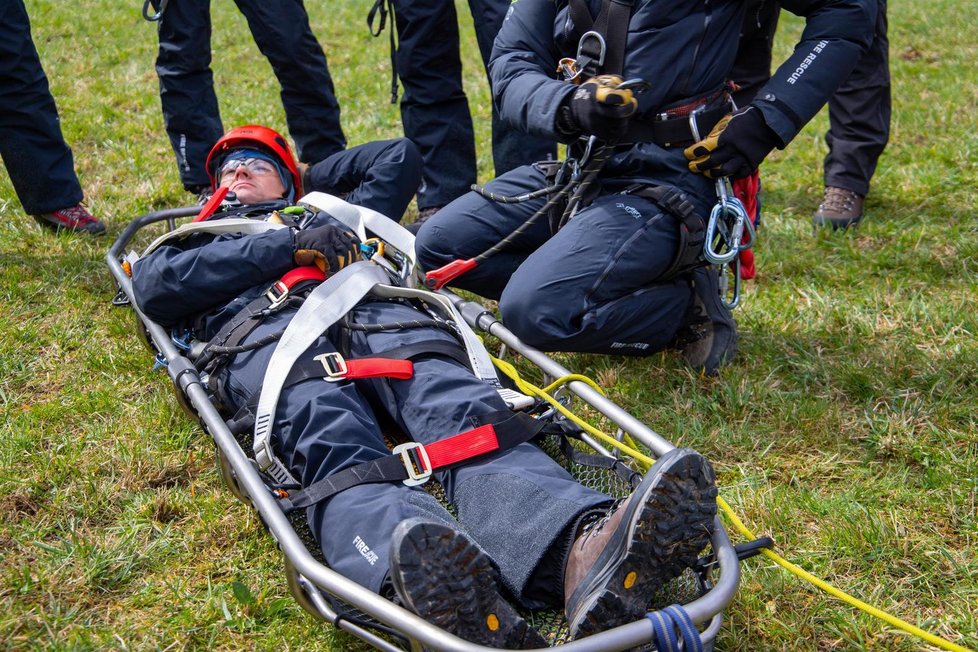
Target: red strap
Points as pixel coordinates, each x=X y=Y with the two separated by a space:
x=379 y=368
x=468 y=444
x=746 y=190
x=300 y=274
x=211 y=204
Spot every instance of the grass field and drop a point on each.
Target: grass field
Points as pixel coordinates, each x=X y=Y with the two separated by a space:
x=846 y=428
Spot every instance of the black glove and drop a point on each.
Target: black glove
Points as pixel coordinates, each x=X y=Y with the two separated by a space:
x=328 y=247
x=597 y=108
x=735 y=146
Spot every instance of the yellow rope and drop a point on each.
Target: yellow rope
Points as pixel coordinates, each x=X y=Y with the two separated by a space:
x=630 y=449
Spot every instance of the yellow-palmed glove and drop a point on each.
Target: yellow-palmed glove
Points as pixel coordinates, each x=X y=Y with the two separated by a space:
x=735 y=146
x=328 y=247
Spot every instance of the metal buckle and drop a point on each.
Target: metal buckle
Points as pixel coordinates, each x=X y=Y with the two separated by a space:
x=414 y=477
x=334 y=364
x=276 y=294
x=602 y=47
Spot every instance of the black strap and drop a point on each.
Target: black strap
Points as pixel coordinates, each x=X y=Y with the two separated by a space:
x=692 y=227
x=512 y=429
x=384 y=7
x=612 y=24
x=675 y=132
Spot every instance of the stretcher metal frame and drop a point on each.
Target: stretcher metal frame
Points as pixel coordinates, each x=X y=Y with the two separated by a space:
x=309 y=579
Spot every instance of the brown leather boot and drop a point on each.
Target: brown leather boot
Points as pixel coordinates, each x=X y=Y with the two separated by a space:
x=618 y=564
x=840 y=209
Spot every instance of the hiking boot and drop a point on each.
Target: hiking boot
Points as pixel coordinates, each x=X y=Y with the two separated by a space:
x=840 y=209
x=440 y=574
x=617 y=565
x=709 y=338
x=423 y=216
x=76 y=219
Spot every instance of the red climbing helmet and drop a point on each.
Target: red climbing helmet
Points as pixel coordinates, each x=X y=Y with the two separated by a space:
x=254 y=137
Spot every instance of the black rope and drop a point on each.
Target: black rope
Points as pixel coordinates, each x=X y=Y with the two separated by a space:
x=587 y=176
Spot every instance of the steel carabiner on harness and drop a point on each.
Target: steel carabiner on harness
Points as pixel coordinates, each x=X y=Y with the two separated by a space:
x=724 y=238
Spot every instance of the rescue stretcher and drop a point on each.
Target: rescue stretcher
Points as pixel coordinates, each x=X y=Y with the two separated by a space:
x=703 y=592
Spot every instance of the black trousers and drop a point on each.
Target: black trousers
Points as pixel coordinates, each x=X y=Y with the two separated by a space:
x=33 y=150
x=190 y=111
x=859 y=110
x=434 y=108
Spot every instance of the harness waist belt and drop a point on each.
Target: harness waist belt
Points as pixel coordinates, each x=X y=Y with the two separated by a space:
x=675 y=131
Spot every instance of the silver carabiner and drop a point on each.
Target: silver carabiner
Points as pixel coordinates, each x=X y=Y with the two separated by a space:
x=602 y=49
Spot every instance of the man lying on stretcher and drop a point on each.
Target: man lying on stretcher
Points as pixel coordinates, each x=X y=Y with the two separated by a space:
x=526 y=530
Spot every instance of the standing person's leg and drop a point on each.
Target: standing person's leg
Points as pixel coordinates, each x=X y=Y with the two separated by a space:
x=38 y=160
x=190 y=110
x=282 y=32
x=434 y=109
x=859 y=128
x=510 y=148
x=382 y=175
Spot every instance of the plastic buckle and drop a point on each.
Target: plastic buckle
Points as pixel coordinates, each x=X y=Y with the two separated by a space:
x=335 y=366
x=277 y=294
x=414 y=476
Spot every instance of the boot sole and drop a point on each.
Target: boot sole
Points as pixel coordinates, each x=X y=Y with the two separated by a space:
x=673 y=523
x=446 y=579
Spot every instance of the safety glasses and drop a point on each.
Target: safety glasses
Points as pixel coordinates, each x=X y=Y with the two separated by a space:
x=257 y=166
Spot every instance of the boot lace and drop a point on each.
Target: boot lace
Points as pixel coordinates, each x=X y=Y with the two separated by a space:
x=839 y=200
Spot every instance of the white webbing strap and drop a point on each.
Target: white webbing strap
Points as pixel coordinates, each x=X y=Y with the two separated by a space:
x=322 y=308
x=360 y=220
x=479 y=358
x=240 y=225
x=326 y=305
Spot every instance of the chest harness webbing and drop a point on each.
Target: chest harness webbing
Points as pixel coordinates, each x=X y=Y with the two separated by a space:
x=325 y=305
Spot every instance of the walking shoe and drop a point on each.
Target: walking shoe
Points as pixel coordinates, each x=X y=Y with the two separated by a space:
x=709 y=338
x=443 y=576
x=617 y=565
x=423 y=215
x=840 y=209
x=75 y=218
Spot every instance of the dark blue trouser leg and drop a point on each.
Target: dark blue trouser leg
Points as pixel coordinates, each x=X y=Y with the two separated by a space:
x=594 y=286
x=859 y=116
x=382 y=175
x=514 y=504
x=190 y=110
x=434 y=109
x=281 y=30
x=33 y=150
x=472 y=224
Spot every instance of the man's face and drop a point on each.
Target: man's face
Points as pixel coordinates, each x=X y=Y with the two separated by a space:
x=252 y=180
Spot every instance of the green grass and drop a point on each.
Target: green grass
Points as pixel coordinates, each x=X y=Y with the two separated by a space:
x=846 y=427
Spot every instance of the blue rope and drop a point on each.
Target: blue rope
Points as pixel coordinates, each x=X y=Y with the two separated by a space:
x=672 y=625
